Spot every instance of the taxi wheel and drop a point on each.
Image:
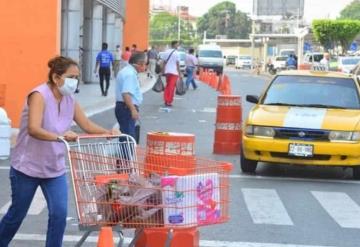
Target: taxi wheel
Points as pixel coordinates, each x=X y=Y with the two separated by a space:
x=356 y=172
x=248 y=166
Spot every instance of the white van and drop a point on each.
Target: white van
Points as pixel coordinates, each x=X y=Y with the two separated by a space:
x=210 y=57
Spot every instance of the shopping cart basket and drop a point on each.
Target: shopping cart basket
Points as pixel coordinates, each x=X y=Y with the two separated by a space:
x=120 y=185
x=97 y=157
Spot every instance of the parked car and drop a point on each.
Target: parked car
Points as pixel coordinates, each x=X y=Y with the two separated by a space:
x=182 y=63
x=231 y=59
x=316 y=56
x=346 y=64
x=304 y=118
x=287 y=52
x=243 y=62
x=280 y=62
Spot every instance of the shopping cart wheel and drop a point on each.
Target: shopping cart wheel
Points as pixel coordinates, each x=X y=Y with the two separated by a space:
x=121 y=240
x=138 y=233
x=169 y=238
x=83 y=239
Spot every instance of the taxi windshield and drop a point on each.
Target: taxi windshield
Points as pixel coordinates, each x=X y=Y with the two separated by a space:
x=312 y=91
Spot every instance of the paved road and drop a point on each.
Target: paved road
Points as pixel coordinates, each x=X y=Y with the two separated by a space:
x=282 y=206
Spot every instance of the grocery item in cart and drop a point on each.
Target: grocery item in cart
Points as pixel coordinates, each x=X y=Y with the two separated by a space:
x=131 y=201
x=191 y=200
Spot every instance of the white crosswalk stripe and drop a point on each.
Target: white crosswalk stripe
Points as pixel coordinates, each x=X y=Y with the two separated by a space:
x=203 y=243
x=266 y=207
x=37 y=205
x=340 y=207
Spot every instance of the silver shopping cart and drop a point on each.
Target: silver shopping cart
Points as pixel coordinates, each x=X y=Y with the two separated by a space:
x=121 y=185
x=94 y=160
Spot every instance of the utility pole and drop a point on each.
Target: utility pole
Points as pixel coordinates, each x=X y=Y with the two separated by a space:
x=252 y=41
x=179 y=22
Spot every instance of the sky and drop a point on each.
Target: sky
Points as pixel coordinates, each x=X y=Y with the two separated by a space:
x=314 y=9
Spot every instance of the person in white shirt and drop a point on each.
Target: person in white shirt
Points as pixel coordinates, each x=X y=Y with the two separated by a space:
x=325 y=61
x=191 y=63
x=172 y=72
x=117 y=60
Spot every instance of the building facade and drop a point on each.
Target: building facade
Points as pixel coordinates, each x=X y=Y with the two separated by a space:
x=35 y=31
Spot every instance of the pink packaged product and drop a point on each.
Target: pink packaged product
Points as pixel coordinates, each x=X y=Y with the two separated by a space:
x=191 y=200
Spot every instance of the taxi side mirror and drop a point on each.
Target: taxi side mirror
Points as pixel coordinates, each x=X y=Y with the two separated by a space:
x=252 y=99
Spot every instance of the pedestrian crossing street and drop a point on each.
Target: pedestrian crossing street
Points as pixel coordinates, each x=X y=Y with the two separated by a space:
x=266 y=207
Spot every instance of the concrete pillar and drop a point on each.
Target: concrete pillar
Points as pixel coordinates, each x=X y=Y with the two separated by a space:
x=93 y=22
x=109 y=30
x=118 y=32
x=300 y=49
x=252 y=43
x=252 y=51
x=71 y=22
x=265 y=52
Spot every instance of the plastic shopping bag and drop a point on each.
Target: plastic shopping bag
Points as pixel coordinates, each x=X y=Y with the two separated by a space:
x=158 y=86
x=180 y=87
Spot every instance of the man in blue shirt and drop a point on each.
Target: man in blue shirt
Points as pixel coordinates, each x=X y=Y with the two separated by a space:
x=291 y=62
x=127 y=93
x=105 y=60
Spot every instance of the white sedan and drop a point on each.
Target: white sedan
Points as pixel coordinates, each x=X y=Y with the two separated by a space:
x=346 y=64
x=243 y=62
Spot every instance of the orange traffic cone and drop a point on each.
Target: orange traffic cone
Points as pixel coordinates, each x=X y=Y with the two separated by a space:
x=226 y=88
x=105 y=237
x=213 y=81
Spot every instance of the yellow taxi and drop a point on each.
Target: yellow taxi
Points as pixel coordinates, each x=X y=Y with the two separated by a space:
x=305 y=118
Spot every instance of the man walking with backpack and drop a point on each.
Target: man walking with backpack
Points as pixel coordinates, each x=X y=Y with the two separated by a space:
x=172 y=72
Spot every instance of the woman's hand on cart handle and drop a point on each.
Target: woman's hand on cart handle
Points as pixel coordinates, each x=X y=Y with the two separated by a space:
x=109 y=134
x=70 y=136
x=114 y=132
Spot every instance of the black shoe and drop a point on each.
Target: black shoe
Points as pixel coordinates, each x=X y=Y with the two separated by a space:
x=105 y=94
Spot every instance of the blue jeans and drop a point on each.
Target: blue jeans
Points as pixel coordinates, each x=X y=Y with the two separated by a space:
x=190 y=77
x=23 y=189
x=123 y=116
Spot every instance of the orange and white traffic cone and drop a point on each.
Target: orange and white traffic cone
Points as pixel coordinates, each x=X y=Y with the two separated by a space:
x=105 y=237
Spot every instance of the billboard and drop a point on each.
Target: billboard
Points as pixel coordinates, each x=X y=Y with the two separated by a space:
x=278 y=7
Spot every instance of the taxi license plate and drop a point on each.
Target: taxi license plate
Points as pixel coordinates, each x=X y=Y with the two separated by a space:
x=301 y=150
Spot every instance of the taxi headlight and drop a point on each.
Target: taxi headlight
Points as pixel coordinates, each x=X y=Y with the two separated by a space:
x=259 y=131
x=344 y=136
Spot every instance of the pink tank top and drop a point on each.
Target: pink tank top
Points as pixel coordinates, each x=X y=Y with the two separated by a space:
x=44 y=159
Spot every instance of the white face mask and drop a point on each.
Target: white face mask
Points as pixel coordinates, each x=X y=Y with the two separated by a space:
x=69 y=87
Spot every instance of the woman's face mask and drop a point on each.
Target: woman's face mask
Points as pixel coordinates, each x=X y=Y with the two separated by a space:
x=69 y=86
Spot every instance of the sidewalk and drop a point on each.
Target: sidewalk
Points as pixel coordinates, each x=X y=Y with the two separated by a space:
x=92 y=102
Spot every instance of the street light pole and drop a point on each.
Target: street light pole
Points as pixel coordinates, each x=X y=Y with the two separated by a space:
x=178 y=12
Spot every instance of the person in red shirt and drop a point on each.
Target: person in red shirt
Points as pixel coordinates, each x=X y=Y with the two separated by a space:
x=126 y=55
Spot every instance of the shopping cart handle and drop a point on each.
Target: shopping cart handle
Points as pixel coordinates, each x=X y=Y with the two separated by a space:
x=93 y=136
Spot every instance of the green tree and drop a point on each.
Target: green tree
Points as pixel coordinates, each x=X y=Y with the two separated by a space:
x=223 y=19
x=351 y=11
x=163 y=26
x=164 y=29
x=335 y=32
x=324 y=32
x=346 y=30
